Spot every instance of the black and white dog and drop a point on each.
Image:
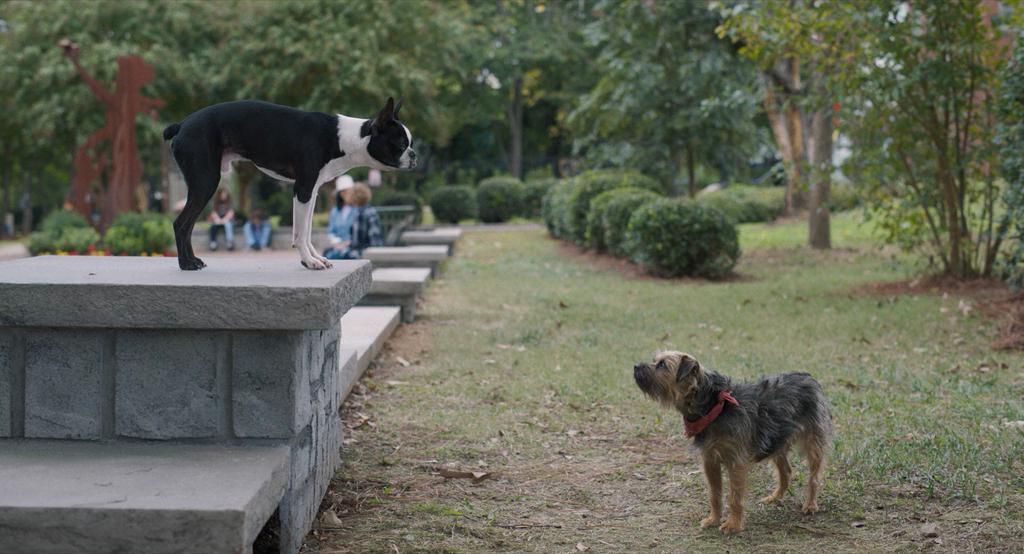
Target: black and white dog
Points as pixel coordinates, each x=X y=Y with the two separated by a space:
x=304 y=148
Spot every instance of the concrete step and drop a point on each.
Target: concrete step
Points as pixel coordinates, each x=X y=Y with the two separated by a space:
x=407 y=256
x=154 y=497
x=397 y=286
x=444 y=236
x=365 y=329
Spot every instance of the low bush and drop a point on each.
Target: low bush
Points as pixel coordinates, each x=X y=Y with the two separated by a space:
x=134 y=234
x=617 y=214
x=499 y=199
x=58 y=220
x=63 y=230
x=843 y=197
x=598 y=211
x=452 y=204
x=77 y=239
x=589 y=184
x=747 y=204
x=674 y=237
x=533 y=195
x=555 y=207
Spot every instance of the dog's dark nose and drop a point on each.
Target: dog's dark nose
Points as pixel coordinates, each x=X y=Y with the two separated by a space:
x=638 y=367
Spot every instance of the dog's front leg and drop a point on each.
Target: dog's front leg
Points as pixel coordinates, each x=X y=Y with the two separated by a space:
x=295 y=222
x=713 y=473
x=310 y=212
x=302 y=240
x=737 y=490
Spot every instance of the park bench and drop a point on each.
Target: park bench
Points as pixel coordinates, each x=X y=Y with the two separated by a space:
x=394 y=220
x=444 y=236
x=429 y=256
x=397 y=286
x=104 y=362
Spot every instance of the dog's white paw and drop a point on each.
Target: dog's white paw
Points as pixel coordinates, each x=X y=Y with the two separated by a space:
x=313 y=264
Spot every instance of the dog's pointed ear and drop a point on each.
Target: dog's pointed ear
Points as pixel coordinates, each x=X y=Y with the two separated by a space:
x=687 y=365
x=387 y=113
x=398 y=106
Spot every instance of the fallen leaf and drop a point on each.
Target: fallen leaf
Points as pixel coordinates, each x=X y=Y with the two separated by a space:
x=1014 y=424
x=476 y=476
x=329 y=520
x=403 y=361
x=562 y=304
x=964 y=307
x=580 y=547
x=858 y=524
x=395 y=383
x=930 y=530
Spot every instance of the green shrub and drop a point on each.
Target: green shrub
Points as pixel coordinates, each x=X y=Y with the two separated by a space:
x=533 y=195
x=598 y=210
x=555 y=207
x=675 y=237
x=41 y=242
x=616 y=219
x=452 y=204
x=77 y=239
x=591 y=183
x=499 y=199
x=843 y=197
x=134 y=234
x=58 y=220
x=388 y=197
x=747 y=204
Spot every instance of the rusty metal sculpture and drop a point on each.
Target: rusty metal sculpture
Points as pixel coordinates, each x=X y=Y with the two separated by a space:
x=124 y=104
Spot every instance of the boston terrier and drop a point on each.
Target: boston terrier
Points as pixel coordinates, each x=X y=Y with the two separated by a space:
x=295 y=146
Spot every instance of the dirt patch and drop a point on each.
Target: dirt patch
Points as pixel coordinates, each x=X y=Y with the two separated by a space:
x=630 y=269
x=994 y=299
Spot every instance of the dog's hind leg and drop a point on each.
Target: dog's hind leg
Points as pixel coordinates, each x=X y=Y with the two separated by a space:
x=815 y=449
x=202 y=175
x=782 y=471
x=713 y=473
x=310 y=212
x=737 y=490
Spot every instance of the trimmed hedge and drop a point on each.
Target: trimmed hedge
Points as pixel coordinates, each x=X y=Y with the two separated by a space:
x=843 y=197
x=452 y=204
x=617 y=214
x=747 y=204
x=499 y=199
x=533 y=195
x=134 y=234
x=598 y=210
x=555 y=208
x=674 y=237
x=589 y=184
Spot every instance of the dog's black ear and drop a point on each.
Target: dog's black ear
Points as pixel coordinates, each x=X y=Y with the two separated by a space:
x=398 y=106
x=387 y=113
x=686 y=366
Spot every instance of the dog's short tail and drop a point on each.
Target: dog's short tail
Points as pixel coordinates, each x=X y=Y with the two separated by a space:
x=171 y=130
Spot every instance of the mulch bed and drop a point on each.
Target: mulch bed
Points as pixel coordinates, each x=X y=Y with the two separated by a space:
x=994 y=299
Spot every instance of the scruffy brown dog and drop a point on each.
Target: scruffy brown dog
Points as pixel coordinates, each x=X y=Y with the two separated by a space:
x=738 y=425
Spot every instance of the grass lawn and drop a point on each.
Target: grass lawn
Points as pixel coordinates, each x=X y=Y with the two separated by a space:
x=521 y=367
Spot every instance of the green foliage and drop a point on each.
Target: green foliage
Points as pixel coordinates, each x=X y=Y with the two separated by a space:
x=589 y=184
x=1011 y=149
x=616 y=219
x=747 y=204
x=499 y=199
x=77 y=239
x=533 y=195
x=843 y=197
x=674 y=237
x=134 y=234
x=58 y=220
x=598 y=211
x=555 y=207
x=41 y=242
x=452 y=204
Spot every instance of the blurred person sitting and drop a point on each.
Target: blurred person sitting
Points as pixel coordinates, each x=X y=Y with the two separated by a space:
x=257 y=230
x=222 y=217
x=365 y=230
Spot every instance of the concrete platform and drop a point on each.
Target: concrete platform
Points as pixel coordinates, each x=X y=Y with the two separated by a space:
x=134 y=292
x=397 y=286
x=429 y=256
x=443 y=236
x=365 y=330
x=83 y=497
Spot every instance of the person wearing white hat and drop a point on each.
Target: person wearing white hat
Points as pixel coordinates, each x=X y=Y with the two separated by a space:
x=339 y=227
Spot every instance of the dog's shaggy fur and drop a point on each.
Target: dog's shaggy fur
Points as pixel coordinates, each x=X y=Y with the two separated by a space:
x=773 y=415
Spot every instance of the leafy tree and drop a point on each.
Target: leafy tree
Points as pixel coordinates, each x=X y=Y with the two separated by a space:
x=671 y=94
x=1010 y=135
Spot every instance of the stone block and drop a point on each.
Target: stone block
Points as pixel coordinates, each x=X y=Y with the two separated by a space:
x=266 y=369
x=6 y=381
x=167 y=384
x=64 y=384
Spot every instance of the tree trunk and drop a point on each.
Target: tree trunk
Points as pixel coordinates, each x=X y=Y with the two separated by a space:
x=515 y=126
x=820 y=157
x=165 y=176
x=691 y=169
x=5 y=203
x=787 y=129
